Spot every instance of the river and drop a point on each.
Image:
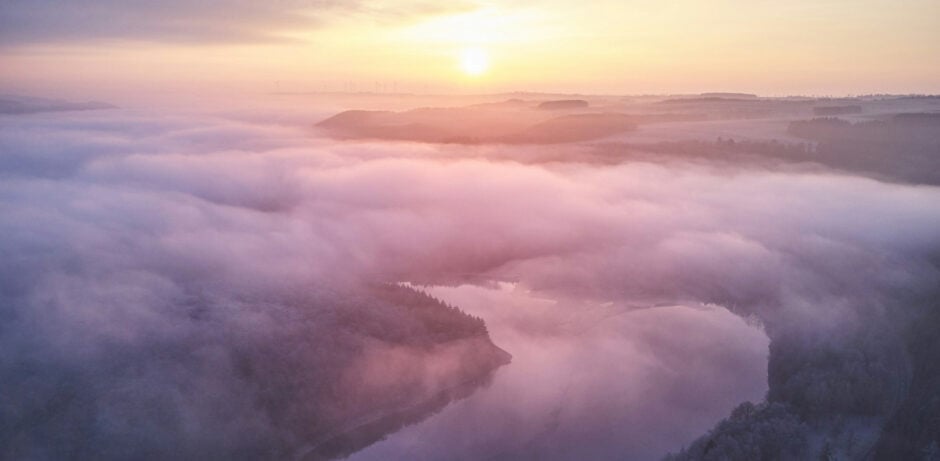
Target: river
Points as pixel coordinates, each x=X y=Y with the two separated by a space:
x=590 y=380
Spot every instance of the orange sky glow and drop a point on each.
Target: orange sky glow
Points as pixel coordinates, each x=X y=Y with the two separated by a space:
x=626 y=47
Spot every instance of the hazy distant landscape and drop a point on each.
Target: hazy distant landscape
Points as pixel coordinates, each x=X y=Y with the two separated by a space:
x=466 y=231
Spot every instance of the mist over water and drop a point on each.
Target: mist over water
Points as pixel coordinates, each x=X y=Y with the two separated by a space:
x=205 y=280
x=413 y=230
x=590 y=380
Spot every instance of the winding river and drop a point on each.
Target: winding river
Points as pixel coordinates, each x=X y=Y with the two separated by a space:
x=590 y=380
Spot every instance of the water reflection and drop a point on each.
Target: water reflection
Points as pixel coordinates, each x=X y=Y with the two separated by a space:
x=590 y=381
x=369 y=432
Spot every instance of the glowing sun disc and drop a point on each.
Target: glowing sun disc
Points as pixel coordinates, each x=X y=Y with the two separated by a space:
x=474 y=61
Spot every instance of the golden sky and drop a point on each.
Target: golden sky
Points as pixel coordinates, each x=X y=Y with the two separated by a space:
x=603 y=46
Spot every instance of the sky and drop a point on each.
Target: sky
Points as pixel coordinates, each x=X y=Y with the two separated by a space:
x=101 y=48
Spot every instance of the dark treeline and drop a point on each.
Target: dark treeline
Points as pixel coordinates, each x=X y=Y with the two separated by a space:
x=880 y=371
x=731 y=149
x=837 y=110
x=905 y=147
x=738 y=108
x=403 y=315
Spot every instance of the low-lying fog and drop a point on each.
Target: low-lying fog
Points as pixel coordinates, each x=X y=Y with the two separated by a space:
x=590 y=381
x=637 y=291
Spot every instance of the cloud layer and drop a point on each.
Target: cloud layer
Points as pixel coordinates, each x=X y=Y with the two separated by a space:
x=121 y=227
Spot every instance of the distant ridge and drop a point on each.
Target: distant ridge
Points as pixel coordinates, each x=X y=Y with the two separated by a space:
x=729 y=95
x=564 y=104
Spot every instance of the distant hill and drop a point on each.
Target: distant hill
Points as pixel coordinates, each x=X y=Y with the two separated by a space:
x=513 y=122
x=563 y=104
x=729 y=95
x=706 y=99
x=904 y=147
x=571 y=128
x=919 y=118
x=837 y=110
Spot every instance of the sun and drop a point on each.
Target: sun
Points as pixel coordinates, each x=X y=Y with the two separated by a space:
x=474 y=61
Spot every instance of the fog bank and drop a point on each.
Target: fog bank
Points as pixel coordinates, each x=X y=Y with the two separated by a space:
x=147 y=250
